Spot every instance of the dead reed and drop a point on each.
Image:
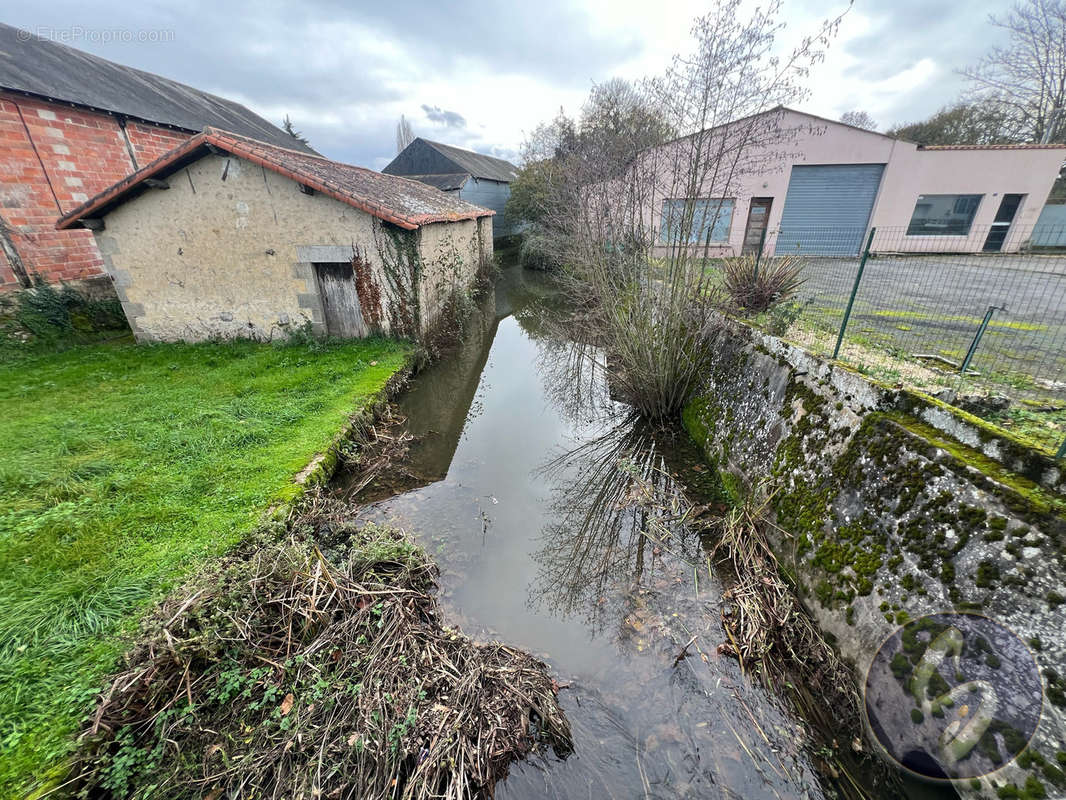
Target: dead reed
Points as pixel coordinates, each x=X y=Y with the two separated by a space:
x=280 y=674
x=769 y=631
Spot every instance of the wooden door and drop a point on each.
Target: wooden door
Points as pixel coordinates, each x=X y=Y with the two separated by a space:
x=340 y=301
x=758 y=216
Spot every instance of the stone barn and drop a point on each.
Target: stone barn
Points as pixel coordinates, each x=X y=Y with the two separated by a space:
x=227 y=236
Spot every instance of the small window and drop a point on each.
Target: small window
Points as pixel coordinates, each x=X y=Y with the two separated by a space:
x=943 y=214
x=708 y=215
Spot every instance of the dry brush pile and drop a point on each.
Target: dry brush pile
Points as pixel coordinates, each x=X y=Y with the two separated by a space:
x=281 y=674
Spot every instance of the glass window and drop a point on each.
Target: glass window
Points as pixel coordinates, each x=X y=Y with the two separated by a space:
x=943 y=214
x=708 y=214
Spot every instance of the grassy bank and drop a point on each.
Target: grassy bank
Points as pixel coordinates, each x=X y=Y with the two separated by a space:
x=124 y=468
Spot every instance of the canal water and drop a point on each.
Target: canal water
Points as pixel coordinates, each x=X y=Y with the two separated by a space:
x=562 y=525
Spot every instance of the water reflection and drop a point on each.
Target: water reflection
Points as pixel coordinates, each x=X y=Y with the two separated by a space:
x=561 y=527
x=616 y=505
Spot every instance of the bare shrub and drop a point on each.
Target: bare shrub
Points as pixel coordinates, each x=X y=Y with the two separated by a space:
x=284 y=674
x=632 y=195
x=753 y=285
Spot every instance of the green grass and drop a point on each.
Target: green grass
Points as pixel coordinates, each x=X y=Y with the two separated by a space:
x=1014 y=325
x=1043 y=429
x=124 y=468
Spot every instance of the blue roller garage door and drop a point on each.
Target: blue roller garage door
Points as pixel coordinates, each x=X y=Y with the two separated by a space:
x=827 y=208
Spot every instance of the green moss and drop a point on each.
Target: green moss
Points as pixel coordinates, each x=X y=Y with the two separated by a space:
x=1056 y=688
x=1034 y=498
x=824 y=592
x=987 y=574
x=1054 y=599
x=698 y=419
x=1034 y=789
x=1054 y=774
x=901 y=666
x=917 y=717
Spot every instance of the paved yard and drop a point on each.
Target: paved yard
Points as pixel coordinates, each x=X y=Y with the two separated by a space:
x=935 y=304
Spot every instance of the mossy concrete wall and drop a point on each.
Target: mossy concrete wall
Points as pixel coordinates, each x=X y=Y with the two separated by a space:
x=892 y=505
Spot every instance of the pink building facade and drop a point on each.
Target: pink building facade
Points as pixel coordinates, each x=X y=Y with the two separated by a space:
x=823 y=185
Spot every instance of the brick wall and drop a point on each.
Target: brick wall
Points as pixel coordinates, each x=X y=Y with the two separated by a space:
x=52 y=159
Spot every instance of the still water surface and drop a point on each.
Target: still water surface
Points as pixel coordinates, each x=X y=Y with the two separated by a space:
x=558 y=522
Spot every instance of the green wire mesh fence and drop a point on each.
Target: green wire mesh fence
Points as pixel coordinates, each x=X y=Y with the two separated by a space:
x=980 y=312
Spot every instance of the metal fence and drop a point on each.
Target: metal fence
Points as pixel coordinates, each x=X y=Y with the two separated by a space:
x=977 y=312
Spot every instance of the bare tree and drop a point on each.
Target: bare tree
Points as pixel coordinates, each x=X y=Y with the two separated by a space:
x=404 y=134
x=859 y=119
x=633 y=216
x=1026 y=77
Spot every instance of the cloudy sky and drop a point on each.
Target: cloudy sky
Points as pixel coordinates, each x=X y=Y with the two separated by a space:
x=480 y=75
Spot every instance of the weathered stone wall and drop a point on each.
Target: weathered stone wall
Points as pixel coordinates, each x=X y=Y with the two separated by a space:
x=228 y=251
x=451 y=254
x=893 y=505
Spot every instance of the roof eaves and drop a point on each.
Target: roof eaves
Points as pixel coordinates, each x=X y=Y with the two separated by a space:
x=239 y=148
x=1033 y=146
x=249 y=149
x=104 y=199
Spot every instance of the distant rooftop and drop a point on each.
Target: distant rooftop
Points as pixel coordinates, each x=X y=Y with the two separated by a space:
x=37 y=66
x=992 y=147
x=406 y=203
x=477 y=164
x=447 y=182
x=418 y=158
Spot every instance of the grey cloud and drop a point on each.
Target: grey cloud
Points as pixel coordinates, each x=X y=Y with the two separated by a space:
x=451 y=119
x=344 y=95
x=905 y=32
x=297 y=57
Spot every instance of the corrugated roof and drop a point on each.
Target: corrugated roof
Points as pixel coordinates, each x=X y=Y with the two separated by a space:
x=406 y=203
x=477 y=164
x=35 y=65
x=992 y=147
x=448 y=182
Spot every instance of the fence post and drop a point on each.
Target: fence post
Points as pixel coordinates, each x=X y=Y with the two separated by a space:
x=854 y=291
x=977 y=338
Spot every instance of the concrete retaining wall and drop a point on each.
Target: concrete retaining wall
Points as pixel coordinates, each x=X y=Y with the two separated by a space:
x=893 y=505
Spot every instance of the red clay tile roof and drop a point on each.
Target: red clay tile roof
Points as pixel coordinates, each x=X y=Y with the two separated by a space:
x=992 y=147
x=406 y=203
